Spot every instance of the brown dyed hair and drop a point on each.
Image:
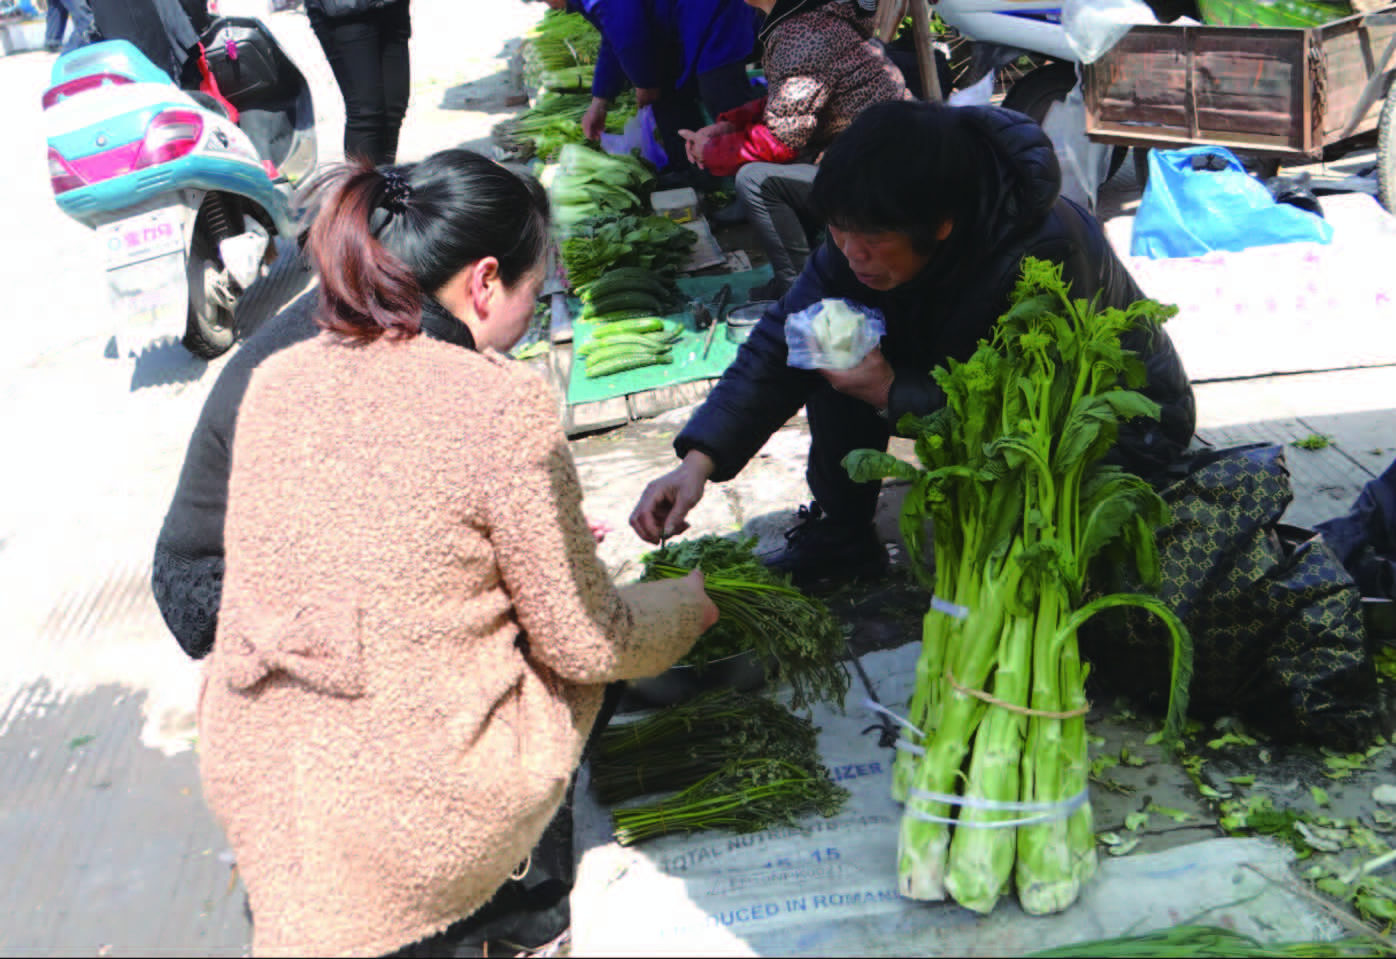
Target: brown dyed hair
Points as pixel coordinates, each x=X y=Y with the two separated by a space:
x=384 y=237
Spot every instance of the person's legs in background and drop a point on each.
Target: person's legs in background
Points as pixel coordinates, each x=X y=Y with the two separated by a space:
x=80 y=35
x=776 y=197
x=395 y=29
x=55 y=22
x=352 y=46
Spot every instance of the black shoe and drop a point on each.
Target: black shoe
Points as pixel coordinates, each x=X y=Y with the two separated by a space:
x=733 y=214
x=819 y=551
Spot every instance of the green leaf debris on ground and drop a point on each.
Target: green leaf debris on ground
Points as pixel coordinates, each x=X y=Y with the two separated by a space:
x=1314 y=441
x=77 y=742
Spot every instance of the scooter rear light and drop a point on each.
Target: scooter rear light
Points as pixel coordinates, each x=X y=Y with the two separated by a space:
x=60 y=175
x=171 y=135
x=93 y=81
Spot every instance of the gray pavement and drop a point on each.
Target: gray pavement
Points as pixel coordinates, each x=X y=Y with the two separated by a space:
x=105 y=846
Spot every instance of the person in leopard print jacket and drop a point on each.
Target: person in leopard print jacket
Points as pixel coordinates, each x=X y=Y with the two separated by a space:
x=823 y=67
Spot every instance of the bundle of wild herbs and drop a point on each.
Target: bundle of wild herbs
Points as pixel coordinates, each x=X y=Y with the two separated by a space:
x=676 y=747
x=1196 y=940
x=1013 y=481
x=761 y=612
x=745 y=795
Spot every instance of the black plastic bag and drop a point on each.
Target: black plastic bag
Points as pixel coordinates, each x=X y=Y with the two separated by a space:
x=1276 y=626
x=1365 y=539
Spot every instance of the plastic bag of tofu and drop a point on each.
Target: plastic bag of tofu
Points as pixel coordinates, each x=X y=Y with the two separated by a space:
x=832 y=335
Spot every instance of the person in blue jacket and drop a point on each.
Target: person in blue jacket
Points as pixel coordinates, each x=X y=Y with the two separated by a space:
x=680 y=55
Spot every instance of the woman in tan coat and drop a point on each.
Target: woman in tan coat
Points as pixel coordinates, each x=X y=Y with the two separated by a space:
x=415 y=629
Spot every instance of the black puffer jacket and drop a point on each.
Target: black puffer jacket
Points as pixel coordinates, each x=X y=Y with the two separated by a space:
x=948 y=308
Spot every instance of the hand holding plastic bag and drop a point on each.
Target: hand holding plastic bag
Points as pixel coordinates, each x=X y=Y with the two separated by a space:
x=832 y=335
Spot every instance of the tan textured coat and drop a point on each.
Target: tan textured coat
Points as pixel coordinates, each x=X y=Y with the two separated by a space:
x=379 y=739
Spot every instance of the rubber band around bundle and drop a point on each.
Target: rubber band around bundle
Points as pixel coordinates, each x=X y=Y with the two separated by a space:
x=879 y=708
x=1024 y=710
x=1051 y=812
x=949 y=608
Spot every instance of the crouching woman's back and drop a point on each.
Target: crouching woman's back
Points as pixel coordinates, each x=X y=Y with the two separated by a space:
x=415 y=630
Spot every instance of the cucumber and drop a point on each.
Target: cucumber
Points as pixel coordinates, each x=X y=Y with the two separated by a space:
x=591 y=317
x=626 y=362
x=649 y=324
x=636 y=340
x=625 y=279
x=627 y=301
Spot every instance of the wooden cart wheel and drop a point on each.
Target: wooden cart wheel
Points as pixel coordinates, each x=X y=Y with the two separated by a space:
x=1386 y=154
x=1035 y=93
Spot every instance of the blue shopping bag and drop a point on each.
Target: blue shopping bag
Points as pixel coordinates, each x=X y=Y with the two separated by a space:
x=1189 y=211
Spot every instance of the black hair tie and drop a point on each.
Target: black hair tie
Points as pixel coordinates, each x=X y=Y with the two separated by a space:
x=397 y=192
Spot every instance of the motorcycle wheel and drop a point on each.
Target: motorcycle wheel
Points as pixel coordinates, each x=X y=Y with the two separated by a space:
x=1035 y=93
x=210 y=331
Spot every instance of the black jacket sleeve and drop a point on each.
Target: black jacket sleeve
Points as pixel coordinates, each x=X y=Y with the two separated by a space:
x=759 y=391
x=187 y=577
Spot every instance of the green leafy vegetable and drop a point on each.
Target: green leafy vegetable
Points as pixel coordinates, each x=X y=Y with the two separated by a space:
x=762 y=612
x=746 y=795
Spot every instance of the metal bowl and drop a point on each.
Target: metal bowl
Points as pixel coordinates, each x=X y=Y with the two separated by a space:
x=743 y=672
x=741 y=320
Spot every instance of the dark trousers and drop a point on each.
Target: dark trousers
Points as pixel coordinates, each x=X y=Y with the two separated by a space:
x=720 y=90
x=530 y=911
x=838 y=425
x=55 y=22
x=368 y=53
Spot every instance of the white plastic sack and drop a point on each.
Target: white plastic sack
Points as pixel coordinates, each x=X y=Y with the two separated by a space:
x=1094 y=26
x=1084 y=164
x=978 y=95
x=832 y=334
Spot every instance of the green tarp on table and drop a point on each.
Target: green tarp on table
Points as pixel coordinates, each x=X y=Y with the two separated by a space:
x=688 y=365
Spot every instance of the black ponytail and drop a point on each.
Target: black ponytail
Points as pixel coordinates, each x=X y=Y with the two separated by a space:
x=383 y=238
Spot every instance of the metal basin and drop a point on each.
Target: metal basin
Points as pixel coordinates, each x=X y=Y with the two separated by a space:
x=743 y=672
x=742 y=320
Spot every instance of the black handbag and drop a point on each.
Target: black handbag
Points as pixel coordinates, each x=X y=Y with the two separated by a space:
x=348 y=8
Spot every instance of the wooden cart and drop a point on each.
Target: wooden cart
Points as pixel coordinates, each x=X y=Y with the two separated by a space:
x=1287 y=93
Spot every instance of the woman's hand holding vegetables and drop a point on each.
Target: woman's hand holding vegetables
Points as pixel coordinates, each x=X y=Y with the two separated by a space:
x=667 y=500
x=710 y=614
x=869 y=381
x=594 y=120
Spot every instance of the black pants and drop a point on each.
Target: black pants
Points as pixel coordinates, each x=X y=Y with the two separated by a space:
x=838 y=425
x=530 y=911
x=368 y=53
x=720 y=90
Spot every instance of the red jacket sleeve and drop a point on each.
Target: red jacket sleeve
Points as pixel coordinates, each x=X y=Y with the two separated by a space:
x=726 y=154
x=745 y=115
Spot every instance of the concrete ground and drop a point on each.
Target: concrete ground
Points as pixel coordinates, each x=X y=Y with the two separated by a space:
x=106 y=846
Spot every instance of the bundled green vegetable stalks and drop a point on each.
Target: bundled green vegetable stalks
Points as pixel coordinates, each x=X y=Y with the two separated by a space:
x=1190 y=940
x=639 y=245
x=555 y=121
x=1013 y=483
x=674 y=748
x=746 y=795
x=560 y=41
x=624 y=345
x=762 y=612
x=588 y=184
